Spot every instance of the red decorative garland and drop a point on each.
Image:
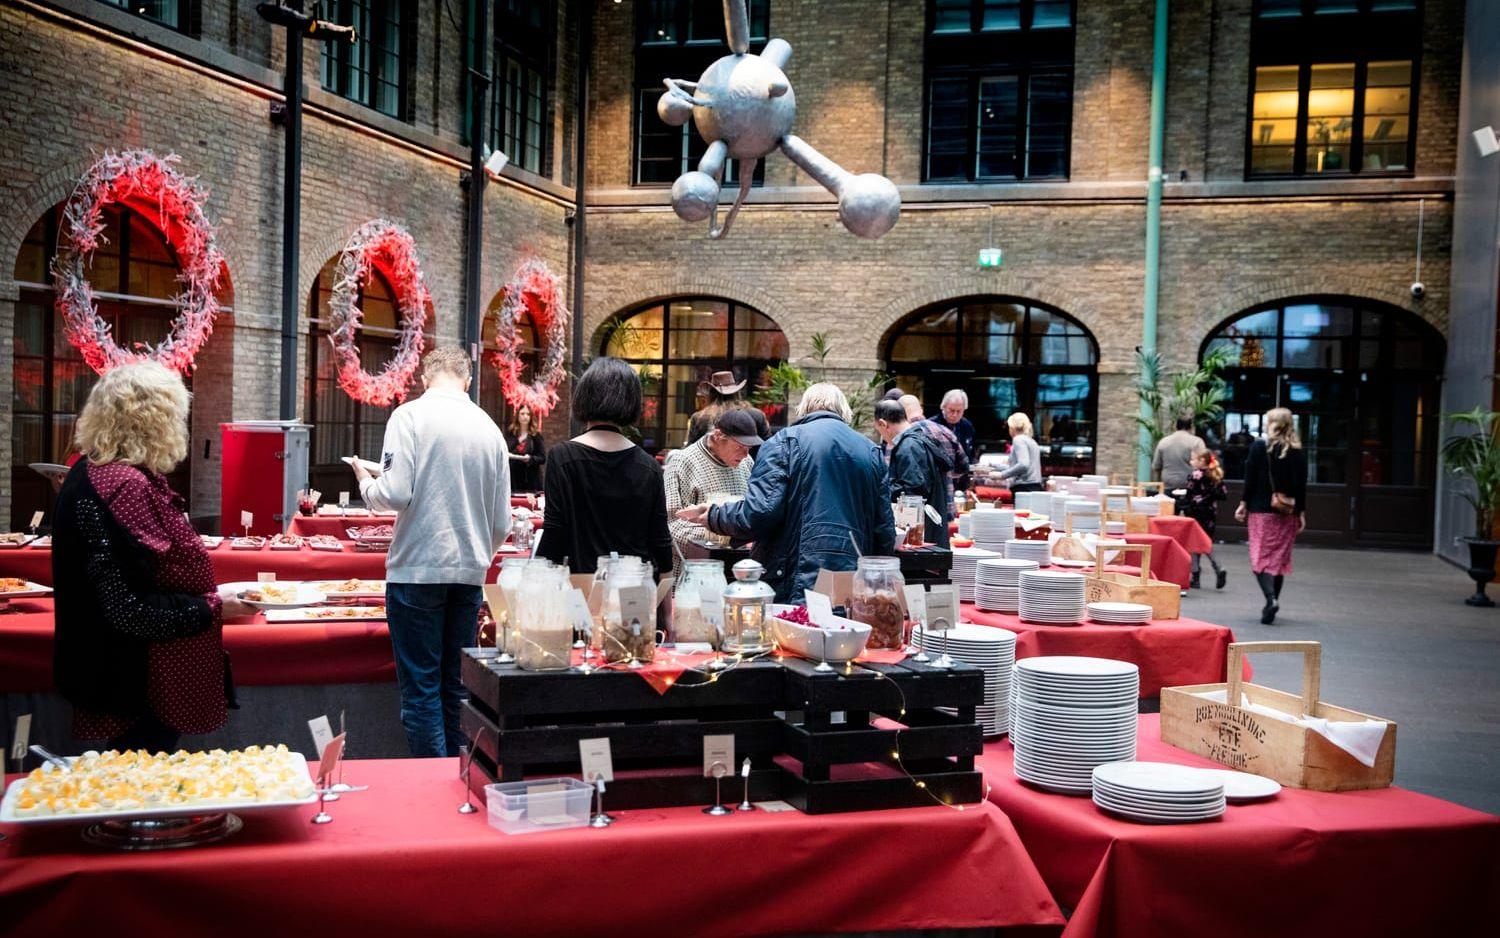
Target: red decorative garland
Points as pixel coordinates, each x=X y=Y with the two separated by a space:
x=388 y=247
x=535 y=290
x=152 y=186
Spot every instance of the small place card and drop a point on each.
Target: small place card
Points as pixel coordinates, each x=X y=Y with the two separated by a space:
x=819 y=609
x=265 y=578
x=597 y=761
x=36 y=520
x=332 y=753
x=718 y=755
x=21 y=738
x=942 y=608
x=322 y=734
x=578 y=612
x=906 y=516
x=637 y=604
x=664 y=589
x=837 y=585
x=343 y=499
x=916 y=601
x=247 y=519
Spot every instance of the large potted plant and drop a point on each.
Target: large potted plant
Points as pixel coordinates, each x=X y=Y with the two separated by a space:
x=1474 y=459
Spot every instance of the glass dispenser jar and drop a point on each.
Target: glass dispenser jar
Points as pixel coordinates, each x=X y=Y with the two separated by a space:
x=545 y=635
x=747 y=610
x=633 y=640
x=508 y=620
x=875 y=599
x=698 y=602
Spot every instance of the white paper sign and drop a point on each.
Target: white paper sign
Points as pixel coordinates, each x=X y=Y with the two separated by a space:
x=578 y=611
x=343 y=499
x=322 y=733
x=906 y=516
x=942 y=608
x=265 y=578
x=819 y=609
x=637 y=604
x=916 y=601
x=597 y=762
x=247 y=519
x=718 y=756
x=36 y=520
x=21 y=738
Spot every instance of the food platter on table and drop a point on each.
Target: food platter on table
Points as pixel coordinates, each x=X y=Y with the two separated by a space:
x=324 y=542
x=210 y=541
x=285 y=542
x=327 y=614
x=42 y=542
x=351 y=589
x=254 y=542
x=277 y=594
x=15 y=539
x=16 y=588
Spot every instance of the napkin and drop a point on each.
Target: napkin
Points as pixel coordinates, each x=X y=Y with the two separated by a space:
x=1360 y=738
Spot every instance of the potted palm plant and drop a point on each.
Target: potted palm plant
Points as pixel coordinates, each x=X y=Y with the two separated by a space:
x=1474 y=459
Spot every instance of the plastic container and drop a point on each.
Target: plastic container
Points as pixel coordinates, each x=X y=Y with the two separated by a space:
x=538 y=804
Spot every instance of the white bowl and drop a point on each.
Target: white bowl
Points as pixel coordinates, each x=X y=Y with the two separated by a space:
x=836 y=646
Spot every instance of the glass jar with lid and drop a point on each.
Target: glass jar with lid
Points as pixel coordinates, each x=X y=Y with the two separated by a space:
x=508 y=620
x=632 y=640
x=876 y=600
x=910 y=516
x=545 y=634
x=747 y=610
x=698 y=601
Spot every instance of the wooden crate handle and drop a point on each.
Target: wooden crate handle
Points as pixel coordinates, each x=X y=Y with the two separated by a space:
x=1143 y=549
x=1312 y=669
x=1124 y=495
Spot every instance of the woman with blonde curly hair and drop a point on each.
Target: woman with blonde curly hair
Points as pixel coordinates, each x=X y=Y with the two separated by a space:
x=139 y=650
x=1273 y=504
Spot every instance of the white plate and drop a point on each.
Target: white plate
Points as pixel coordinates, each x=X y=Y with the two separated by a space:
x=31 y=591
x=370 y=589
x=1241 y=787
x=210 y=541
x=1076 y=666
x=1164 y=777
x=306 y=594
x=328 y=614
x=8 y=806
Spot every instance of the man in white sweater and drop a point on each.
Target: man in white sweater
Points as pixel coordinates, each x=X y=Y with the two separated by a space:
x=444 y=469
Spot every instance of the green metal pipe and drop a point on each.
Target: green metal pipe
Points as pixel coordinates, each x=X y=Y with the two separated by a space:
x=1153 y=212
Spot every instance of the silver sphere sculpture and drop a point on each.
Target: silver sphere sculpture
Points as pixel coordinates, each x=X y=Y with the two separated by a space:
x=743 y=106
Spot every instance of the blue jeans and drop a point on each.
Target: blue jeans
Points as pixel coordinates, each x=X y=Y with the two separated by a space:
x=431 y=624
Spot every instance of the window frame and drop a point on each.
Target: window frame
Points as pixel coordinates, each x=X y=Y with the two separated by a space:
x=1024 y=53
x=533 y=49
x=187 y=15
x=1308 y=39
x=337 y=64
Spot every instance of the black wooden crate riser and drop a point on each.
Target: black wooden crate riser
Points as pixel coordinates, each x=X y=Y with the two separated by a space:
x=874 y=794
x=636 y=792
x=844 y=744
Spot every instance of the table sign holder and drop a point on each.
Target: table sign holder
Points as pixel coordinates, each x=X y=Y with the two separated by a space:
x=916 y=604
x=599 y=819
x=326 y=766
x=339 y=787
x=468 y=767
x=718 y=770
x=745 y=804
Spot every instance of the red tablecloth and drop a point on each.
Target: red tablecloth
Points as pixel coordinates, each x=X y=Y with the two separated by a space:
x=399 y=860
x=261 y=653
x=332 y=525
x=991 y=494
x=1185 y=531
x=1169 y=562
x=235 y=566
x=1367 y=863
x=1169 y=653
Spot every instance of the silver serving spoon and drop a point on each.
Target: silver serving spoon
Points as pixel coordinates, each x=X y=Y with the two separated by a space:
x=52 y=757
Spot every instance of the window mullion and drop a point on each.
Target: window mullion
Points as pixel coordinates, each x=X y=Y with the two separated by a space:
x=1023 y=123
x=1304 y=83
x=1356 y=133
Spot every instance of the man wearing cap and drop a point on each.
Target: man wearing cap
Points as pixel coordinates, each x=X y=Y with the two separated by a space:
x=716 y=466
x=723 y=395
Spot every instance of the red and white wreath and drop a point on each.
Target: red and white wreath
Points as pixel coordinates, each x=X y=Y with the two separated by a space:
x=152 y=186
x=389 y=248
x=536 y=291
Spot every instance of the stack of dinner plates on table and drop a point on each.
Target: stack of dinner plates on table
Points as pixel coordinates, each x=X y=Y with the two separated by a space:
x=1088 y=490
x=1057 y=509
x=964 y=559
x=1085 y=516
x=1036 y=502
x=993 y=651
x=1158 y=792
x=1051 y=597
x=992 y=527
x=997 y=584
x=1119 y=613
x=1069 y=715
x=1097 y=479
x=1039 y=551
x=1114 y=528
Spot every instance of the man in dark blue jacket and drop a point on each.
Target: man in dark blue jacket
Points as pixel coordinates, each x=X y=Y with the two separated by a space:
x=918 y=466
x=818 y=488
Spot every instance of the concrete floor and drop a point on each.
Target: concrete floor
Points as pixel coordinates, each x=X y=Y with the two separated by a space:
x=1398 y=642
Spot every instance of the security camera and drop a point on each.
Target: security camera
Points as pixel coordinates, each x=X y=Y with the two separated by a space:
x=1418 y=290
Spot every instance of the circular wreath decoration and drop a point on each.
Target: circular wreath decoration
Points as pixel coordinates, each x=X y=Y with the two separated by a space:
x=152 y=186
x=536 y=291
x=385 y=245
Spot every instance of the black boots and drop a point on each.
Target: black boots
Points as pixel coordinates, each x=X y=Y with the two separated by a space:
x=1270 y=586
x=1220 y=576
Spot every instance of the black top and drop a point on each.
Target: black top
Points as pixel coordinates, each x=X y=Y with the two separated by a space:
x=1287 y=473
x=599 y=502
x=920 y=467
x=526 y=475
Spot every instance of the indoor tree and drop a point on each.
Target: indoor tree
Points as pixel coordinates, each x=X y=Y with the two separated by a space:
x=1474 y=457
x=1198 y=393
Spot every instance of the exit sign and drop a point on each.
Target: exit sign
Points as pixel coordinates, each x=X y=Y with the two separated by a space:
x=989 y=257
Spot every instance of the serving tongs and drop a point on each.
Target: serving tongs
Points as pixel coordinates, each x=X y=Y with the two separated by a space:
x=52 y=757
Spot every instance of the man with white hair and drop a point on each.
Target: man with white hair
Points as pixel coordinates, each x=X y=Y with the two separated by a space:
x=444 y=469
x=951 y=416
x=958 y=459
x=817 y=498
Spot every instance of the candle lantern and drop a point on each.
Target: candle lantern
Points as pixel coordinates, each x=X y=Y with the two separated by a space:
x=747 y=608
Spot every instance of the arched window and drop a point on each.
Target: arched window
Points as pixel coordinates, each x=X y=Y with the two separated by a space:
x=134 y=276
x=1362 y=378
x=676 y=345
x=1008 y=354
x=342 y=426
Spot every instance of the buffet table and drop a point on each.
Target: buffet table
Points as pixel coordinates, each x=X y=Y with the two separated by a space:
x=1168 y=652
x=1169 y=561
x=337 y=526
x=1381 y=862
x=399 y=860
x=1187 y=532
x=262 y=654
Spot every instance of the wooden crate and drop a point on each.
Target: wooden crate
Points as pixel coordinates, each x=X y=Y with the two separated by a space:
x=1165 y=599
x=1136 y=522
x=1240 y=738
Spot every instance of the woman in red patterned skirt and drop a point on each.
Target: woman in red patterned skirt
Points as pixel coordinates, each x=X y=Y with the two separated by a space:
x=139 y=652
x=1273 y=505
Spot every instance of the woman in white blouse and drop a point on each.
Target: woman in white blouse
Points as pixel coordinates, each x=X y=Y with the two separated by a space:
x=1024 y=474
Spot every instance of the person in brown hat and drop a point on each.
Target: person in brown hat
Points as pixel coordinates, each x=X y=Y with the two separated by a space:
x=724 y=394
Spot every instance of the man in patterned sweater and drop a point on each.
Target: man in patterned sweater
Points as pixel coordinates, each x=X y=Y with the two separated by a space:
x=717 y=465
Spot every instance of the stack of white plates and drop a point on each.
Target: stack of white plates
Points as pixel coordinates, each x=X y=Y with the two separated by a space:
x=997 y=583
x=1039 y=502
x=1060 y=483
x=1051 y=597
x=1120 y=613
x=1019 y=549
x=1085 y=516
x=1069 y=715
x=964 y=559
x=1057 y=509
x=992 y=527
x=1085 y=489
x=1116 y=528
x=993 y=650
x=1145 y=504
x=1100 y=480
x=1158 y=792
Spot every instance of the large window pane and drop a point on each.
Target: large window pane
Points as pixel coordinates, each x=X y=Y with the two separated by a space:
x=1049 y=106
x=1330 y=117
x=998 y=104
x=1387 y=115
x=947 y=128
x=1274 y=119
x=1050 y=14
x=1000 y=14
x=951 y=16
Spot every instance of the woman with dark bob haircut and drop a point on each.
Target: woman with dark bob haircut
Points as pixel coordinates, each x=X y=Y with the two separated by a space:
x=604 y=493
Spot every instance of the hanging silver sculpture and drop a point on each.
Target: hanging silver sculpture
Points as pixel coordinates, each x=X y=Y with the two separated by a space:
x=743 y=106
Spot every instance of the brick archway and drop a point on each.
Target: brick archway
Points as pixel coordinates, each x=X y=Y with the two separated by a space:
x=601 y=308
